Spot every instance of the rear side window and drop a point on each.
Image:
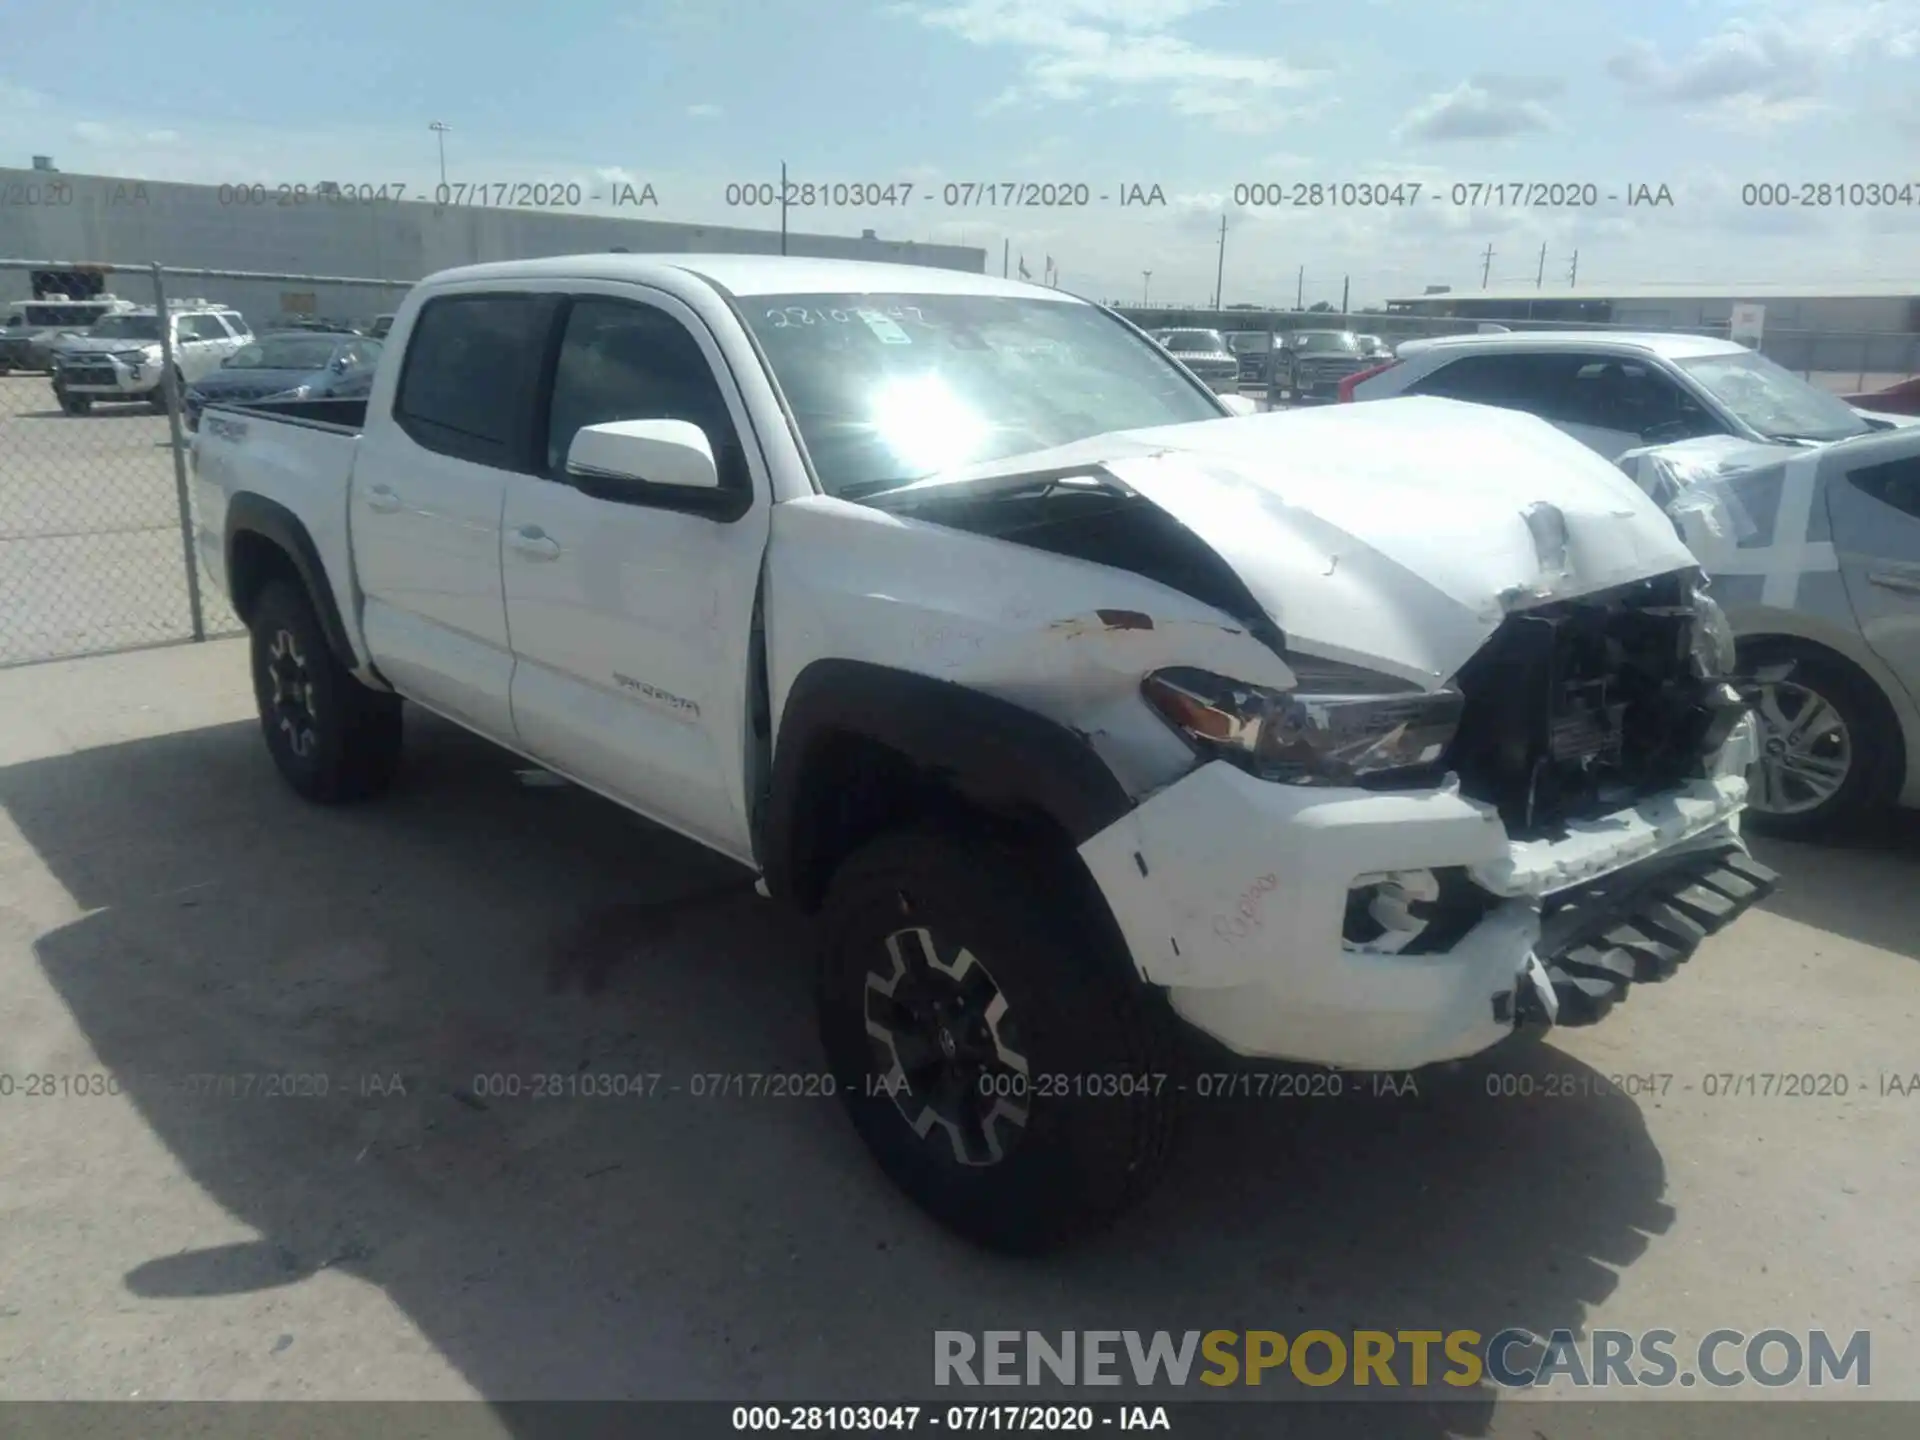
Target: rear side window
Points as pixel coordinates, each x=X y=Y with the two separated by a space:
x=1896 y=483
x=467 y=389
x=1513 y=382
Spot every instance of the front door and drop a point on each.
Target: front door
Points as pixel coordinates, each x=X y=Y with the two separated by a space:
x=632 y=622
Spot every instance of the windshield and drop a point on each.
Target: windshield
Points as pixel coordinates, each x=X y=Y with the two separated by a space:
x=125 y=327
x=1243 y=341
x=1313 y=340
x=299 y=354
x=1195 y=341
x=888 y=389
x=1775 y=402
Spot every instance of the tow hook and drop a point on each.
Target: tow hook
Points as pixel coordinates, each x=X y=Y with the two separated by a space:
x=1536 y=1005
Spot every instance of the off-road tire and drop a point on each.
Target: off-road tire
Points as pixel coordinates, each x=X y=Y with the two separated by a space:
x=74 y=404
x=1872 y=732
x=1101 y=1049
x=341 y=741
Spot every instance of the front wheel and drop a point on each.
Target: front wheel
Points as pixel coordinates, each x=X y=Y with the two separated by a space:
x=1823 y=740
x=1003 y=1063
x=73 y=404
x=332 y=738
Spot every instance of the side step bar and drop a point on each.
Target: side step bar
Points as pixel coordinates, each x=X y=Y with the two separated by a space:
x=1636 y=926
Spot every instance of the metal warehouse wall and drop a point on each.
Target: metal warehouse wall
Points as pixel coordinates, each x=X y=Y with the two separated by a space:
x=135 y=222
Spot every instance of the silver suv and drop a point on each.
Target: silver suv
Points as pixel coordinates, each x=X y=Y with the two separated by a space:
x=120 y=358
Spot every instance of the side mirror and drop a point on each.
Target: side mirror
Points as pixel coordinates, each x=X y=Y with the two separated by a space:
x=1240 y=404
x=626 y=459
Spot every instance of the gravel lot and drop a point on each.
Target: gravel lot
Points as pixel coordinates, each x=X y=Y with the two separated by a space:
x=90 y=554
x=168 y=910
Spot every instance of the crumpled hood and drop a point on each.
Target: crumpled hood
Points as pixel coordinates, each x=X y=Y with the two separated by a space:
x=1395 y=535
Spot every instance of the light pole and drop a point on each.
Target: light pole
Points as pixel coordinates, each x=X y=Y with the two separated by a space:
x=440 y=129
x=1146 y=279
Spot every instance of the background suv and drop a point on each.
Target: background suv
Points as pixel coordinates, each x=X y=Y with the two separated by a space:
x=1205 y=353
x=120 y=357
x=1314 y=363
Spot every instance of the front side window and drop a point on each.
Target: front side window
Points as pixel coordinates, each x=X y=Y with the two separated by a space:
x=468 y=385
x=1895 y=483
x=890 y=388
x=625 y=361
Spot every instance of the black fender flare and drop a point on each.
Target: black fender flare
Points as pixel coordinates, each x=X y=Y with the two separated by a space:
x=992 y=751
x=250 y=514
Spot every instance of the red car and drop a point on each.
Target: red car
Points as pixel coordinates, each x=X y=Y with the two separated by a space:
x=1901 y=399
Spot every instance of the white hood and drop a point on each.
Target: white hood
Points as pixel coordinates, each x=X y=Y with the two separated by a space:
x=1395 y=535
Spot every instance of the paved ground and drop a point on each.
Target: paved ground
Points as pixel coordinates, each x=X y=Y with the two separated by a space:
x=90 y=552
x=168 y=910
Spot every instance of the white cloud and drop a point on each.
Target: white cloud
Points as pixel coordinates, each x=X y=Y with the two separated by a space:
x=1473 y=111
x=1124 y=51
x=705 y=112
x=1770 y=64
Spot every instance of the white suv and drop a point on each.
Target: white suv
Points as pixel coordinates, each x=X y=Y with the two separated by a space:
x=120 y=357
x=1616 y=392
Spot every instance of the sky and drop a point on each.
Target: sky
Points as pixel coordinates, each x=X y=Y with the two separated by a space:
x=1201 y=98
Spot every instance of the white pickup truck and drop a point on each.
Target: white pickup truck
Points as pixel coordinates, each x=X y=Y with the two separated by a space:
x=1083 y=710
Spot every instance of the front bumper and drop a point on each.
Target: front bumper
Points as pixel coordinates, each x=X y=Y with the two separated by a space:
x=105 y=377
x=1232 y=893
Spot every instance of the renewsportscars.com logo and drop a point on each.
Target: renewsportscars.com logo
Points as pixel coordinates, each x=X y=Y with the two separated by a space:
x=1391 y=1359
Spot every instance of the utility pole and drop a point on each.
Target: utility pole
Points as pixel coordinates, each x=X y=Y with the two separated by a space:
x=1300 y=290
x=783 y=207
x=1486 y=265
x=1006 y=257
x=1541 y=279
x=1220 y=270
x=1146 y=279
x=1345 y=282
x=1573 y=270
x=440 y=129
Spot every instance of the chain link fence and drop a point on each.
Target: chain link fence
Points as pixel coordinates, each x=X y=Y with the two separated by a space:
x=96 y=511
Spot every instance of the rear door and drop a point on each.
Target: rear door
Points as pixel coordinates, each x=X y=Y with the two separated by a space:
x=632 y=622
x=1874 y=510
x=426 y=499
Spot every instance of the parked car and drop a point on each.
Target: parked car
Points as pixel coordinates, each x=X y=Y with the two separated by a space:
x=120 y=358
x=1316 y=361
x=1816 y=558
x=381 y=325
x=288 y=365
x=307 y=324
x=1254 y=349
x=1205 y=353
x=982 y=664
x=1618 y=391
x=32 y=329
x=1374 y=348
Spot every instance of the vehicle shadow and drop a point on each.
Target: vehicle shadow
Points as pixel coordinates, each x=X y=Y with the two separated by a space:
x=1860 y=885
x=474 y=933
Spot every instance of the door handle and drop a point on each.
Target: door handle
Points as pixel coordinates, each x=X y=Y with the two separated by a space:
x=1905 y=584
x=382 y=498
x=534 y=543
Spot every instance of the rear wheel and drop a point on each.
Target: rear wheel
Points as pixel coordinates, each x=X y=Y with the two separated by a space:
x=332 y=738
x=1824 y=741
x=1006 y=1068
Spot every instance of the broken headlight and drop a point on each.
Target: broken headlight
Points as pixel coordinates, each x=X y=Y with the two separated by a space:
x=1713 y=649
x=1338 y=724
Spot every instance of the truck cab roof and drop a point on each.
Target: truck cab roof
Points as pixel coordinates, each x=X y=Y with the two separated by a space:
x=755 y=275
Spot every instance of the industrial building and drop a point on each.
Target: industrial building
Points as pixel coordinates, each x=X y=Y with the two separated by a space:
x=123 y=222
x=1855 y=309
